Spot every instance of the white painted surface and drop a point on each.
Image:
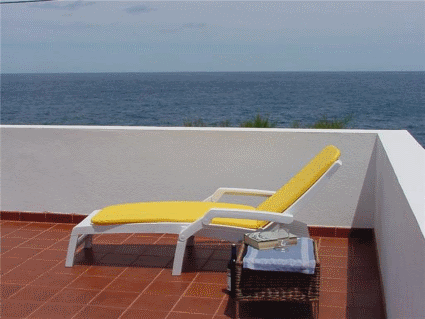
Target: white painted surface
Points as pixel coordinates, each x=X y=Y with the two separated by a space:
x=407 y=158
x=399 y=236
x=79 y=169
x=380 y=185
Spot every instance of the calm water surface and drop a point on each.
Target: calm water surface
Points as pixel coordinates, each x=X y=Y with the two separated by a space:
x=377 y=100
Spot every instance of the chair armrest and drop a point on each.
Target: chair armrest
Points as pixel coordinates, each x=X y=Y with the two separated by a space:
x=283 y=218
x=237 y=191
x=247 y=214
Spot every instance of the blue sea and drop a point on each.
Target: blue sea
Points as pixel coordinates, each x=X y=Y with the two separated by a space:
x=376 y=100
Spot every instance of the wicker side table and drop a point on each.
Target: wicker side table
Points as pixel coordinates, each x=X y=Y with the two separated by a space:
x=256 y=285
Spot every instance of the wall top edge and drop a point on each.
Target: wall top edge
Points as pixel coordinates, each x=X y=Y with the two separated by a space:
x=184 y=128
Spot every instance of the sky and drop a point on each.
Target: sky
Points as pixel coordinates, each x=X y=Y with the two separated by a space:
x=212 y=36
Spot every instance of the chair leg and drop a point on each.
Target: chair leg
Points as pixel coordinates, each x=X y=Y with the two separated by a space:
x=88 y=242
x=72 y=246
x=178 y=257
x=191 y=241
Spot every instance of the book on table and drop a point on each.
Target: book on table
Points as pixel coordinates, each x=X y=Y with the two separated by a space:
x=269 y=239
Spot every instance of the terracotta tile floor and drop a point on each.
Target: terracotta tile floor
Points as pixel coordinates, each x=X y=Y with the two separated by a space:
x=129 y=276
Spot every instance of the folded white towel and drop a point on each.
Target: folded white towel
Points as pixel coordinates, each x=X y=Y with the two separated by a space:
x=298 y=258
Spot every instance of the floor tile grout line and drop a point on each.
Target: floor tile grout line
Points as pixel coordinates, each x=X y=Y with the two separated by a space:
x=15 y=230
x=80 y=275
x=66 y=286
x=194 y=313
x=334 y=278
x=43 y=249
x=20 y=237
x=333 y=307
x=335 y=247
x=128 y=308
x=123 y=242
x=45 y=302
x=149 y=283
x=83 y=289
x=29 y=257
x=102 y=290
x=160 y=237
x=219 y=306
x=321 y=254
x=193 y=280
x=181 y=295
x=49 y=229
x=34 y=237
x=29 y=283
x=322 y=245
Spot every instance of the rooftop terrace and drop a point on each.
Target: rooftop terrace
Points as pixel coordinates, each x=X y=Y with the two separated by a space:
x=129 y=276
x=369 y=221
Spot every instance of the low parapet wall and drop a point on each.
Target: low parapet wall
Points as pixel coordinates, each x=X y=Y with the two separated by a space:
x=381 y=184
x=79 y=169
x=400 y=223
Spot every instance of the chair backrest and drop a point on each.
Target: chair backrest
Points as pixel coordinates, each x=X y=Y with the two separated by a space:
x=301 y=182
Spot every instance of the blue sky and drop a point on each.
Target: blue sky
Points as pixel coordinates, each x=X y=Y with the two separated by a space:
x=174 y=36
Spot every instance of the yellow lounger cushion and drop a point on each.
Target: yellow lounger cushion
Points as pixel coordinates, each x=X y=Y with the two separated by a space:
x=301 y=182
x=188 y=212
x=178 y=212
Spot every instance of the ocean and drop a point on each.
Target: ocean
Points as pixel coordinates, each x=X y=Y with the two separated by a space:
x=376 y=100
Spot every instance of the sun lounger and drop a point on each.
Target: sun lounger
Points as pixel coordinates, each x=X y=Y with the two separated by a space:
x=209 y=218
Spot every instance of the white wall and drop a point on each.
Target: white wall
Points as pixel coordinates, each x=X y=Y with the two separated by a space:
x=381 y=184
x=78 y=169
x=399 y=224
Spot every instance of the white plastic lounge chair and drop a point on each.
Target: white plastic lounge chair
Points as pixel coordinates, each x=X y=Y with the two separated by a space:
x=209 y=218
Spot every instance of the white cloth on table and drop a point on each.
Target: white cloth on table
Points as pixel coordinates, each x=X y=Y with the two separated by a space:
x=297 y=258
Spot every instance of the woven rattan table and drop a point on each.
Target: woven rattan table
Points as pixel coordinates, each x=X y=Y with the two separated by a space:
x=256 y=285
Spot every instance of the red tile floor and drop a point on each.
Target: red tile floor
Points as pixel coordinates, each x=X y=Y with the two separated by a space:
x=129 y=276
